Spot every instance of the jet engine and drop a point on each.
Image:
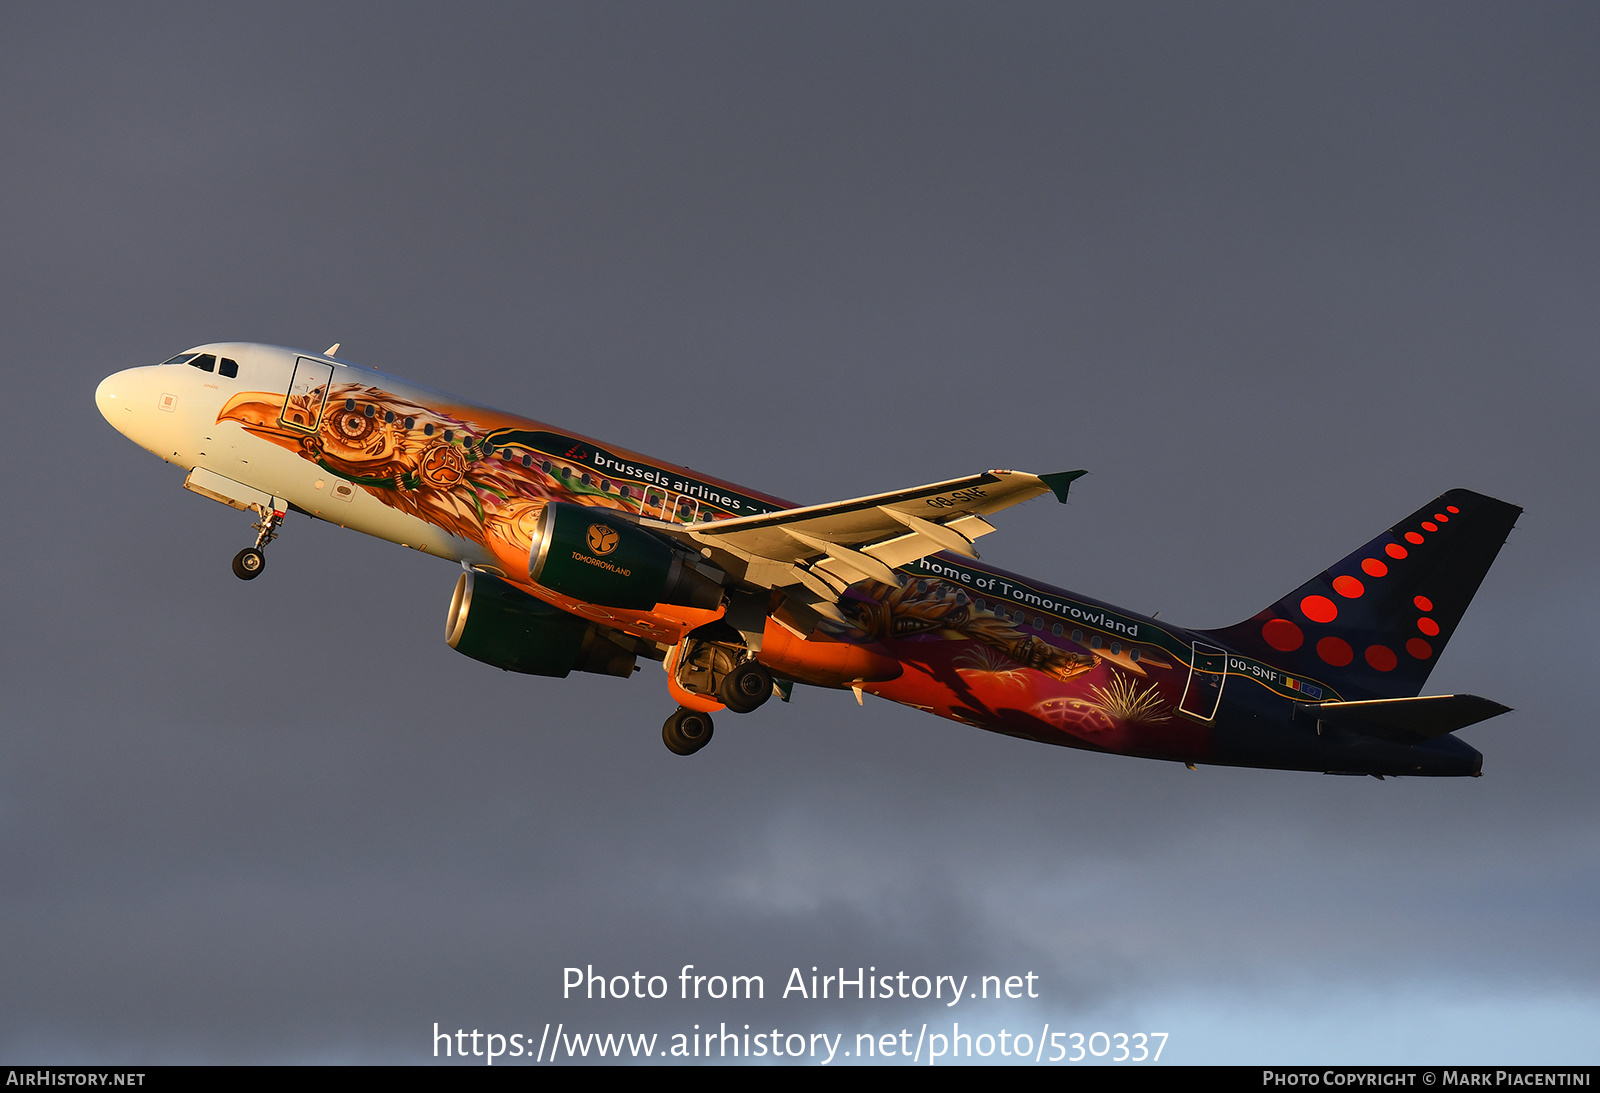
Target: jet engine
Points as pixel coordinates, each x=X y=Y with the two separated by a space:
x=495 y=622
x=594 y=555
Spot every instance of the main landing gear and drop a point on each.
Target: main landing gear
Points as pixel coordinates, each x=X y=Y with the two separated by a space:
x=249 y=562
x=745 y=688
x=714 y=669
x=686 y=731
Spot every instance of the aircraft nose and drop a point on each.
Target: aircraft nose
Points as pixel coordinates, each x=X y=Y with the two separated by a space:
x=105 y=397
x=116 y=397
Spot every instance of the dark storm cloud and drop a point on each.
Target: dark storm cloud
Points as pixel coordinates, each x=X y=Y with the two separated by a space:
x=1274 y=275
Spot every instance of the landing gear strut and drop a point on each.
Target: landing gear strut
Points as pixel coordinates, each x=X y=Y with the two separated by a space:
x=686 y=731
x=249 y=562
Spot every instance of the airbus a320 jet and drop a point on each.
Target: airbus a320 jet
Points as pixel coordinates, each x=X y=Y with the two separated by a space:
x=580 y=556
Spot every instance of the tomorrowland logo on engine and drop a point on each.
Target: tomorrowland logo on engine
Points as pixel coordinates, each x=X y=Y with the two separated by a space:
x=602 y=540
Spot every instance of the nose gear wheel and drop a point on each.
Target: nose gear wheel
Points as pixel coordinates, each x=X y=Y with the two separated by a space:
x=248 y=564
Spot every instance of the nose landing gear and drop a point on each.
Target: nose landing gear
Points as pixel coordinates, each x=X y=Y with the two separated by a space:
x=249 y=562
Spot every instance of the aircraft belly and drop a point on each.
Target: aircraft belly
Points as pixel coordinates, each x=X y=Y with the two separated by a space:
x=1097 y=709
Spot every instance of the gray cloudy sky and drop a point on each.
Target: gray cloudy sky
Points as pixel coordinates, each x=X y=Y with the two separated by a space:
x=1276 y=274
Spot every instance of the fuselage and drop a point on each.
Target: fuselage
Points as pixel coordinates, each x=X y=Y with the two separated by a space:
x=954 y=636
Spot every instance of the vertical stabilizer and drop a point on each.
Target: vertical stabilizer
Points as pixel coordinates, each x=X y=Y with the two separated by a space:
x=1375 y=623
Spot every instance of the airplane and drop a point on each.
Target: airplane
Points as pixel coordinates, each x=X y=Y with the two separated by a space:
x=581 y=556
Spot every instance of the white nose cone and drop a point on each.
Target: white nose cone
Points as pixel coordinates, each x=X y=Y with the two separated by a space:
x=105 y=397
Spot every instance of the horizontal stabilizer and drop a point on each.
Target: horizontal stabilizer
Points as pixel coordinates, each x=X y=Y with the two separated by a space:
x=1407 y=720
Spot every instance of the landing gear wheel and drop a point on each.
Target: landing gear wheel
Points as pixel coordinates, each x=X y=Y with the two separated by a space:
x=686 y=731
x=248 y=564
x=746 y=687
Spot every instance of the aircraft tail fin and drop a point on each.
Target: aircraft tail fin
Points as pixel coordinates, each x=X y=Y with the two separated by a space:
x=1375 y=623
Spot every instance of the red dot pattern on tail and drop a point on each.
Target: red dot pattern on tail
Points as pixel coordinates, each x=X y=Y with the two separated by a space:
x=1348 y=587
x=1282 y=635
x=1319 y=609
x=1336 y=651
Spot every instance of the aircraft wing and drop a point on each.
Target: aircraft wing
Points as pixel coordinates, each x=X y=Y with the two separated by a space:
x=828 y=548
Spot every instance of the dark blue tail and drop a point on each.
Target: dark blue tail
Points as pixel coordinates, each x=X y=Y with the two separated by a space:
x=1374 y=624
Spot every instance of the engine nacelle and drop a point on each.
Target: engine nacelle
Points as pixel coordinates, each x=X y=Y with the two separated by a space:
x=594 y=555
x=495 y=622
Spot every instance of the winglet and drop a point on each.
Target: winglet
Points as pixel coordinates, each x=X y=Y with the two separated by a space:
x=1060 y=482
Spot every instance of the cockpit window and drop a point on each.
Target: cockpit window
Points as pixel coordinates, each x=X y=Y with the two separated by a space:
x=206 y=362
x=229 y=368
x=182 y=358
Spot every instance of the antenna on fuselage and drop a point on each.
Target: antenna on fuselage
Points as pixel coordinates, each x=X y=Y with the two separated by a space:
x=331 y=350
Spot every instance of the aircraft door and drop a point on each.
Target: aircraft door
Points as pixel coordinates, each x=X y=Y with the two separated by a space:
x=1207 y=673
x=308 y=393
